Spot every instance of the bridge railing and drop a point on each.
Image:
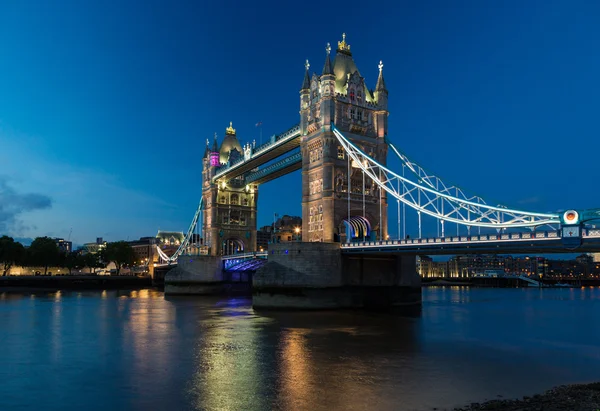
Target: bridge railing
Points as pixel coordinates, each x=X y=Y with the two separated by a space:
x=535 y=236
x=241 y=256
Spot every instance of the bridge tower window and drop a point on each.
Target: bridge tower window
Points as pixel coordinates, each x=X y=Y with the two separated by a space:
x=223 y=200
x=340 y=153
x=235 y=199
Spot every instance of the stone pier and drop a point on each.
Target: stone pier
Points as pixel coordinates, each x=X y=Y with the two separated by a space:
x=318 y=276
x=195 y=275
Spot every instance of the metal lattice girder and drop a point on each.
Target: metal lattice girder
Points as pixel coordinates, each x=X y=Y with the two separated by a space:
x=276 y=142
x=430 y=196
x=277 y=169
x=186 y=241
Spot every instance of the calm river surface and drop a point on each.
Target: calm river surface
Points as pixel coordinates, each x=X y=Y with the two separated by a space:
x=117 y=350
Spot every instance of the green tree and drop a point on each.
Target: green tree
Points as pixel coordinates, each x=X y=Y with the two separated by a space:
x=73 y=260
x=93 y=261
x=11 y=253
x=120 y=253
x=43 y=252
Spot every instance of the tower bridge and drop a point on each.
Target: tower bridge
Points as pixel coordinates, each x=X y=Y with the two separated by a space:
x=341 y=144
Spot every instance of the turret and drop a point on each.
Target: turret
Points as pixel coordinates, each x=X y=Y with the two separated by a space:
x=214 y=154
x=381 y=92
x=381 y=97
x=305 y=100
x=230 y=143
x=328 y=91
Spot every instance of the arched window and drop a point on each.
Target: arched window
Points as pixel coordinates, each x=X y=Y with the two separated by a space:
x=235 y=199
x=245 y=201
x=223 y=200
x=352 y=95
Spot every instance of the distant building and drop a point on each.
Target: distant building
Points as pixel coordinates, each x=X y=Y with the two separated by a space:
x=94 y=248
x=287 y=228
x=145 y=250
x=263 y=237
x=64 y=245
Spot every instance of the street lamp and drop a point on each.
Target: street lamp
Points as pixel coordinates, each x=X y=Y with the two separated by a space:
x=297 y=231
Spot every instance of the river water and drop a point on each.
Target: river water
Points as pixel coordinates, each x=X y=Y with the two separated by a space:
x=137 y=350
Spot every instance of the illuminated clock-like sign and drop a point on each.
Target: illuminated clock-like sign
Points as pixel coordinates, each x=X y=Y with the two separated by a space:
x=571 y=217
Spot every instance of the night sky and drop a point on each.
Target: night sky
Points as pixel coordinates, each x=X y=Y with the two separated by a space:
x=105 y=107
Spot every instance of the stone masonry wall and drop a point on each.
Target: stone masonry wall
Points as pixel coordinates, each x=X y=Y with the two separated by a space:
x=317 y=265
x=195 y=275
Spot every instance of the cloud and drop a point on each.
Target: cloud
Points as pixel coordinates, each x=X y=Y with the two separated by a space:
x=13 y=204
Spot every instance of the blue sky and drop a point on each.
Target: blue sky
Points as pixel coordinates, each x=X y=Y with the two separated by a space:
x=105 y=107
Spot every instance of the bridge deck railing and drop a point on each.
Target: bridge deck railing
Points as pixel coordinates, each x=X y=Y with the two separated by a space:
x=241 y=256
x=538 y=235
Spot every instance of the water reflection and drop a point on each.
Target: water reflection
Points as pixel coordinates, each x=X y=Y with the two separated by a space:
x=229 y=356
x=137 y=350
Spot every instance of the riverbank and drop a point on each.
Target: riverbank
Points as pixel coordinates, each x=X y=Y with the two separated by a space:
x=74 y=282
x=578 y=397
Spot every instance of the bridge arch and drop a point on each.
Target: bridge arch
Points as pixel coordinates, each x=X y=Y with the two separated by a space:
x=232 y=245
x=358 y=227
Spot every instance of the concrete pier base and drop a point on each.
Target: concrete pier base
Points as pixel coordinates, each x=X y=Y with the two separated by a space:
x=318 y=276
x=195 y=275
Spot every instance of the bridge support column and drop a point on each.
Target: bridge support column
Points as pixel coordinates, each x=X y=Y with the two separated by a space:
x=199 y=274
x=319 y=276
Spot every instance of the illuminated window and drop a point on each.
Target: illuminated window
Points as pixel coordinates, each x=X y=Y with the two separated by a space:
x=359 y=96
x=340 y=152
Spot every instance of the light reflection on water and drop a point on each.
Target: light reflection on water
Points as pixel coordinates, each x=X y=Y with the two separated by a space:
x=137 y=350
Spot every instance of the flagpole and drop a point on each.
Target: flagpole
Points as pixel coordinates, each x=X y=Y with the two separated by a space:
x=259 y=125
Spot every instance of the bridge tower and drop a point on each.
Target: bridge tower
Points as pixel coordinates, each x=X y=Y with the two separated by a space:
x=229 y=218
x=340 y=96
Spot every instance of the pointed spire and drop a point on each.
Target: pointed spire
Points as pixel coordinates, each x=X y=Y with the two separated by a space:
x=327 y=68
x=380 y=80
x=306 y=83
x=215 y=147
x=207 y=149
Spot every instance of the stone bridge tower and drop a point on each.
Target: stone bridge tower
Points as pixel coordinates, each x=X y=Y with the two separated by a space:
x=229 y=217
x=340 y=96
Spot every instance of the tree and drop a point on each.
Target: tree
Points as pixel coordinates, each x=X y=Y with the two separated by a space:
x=11 y=253
x=93 y=261
x=73 y=260
x=43 y=252
x=120 y=253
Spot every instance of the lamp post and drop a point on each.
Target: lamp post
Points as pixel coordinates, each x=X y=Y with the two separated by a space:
x=297 y=231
